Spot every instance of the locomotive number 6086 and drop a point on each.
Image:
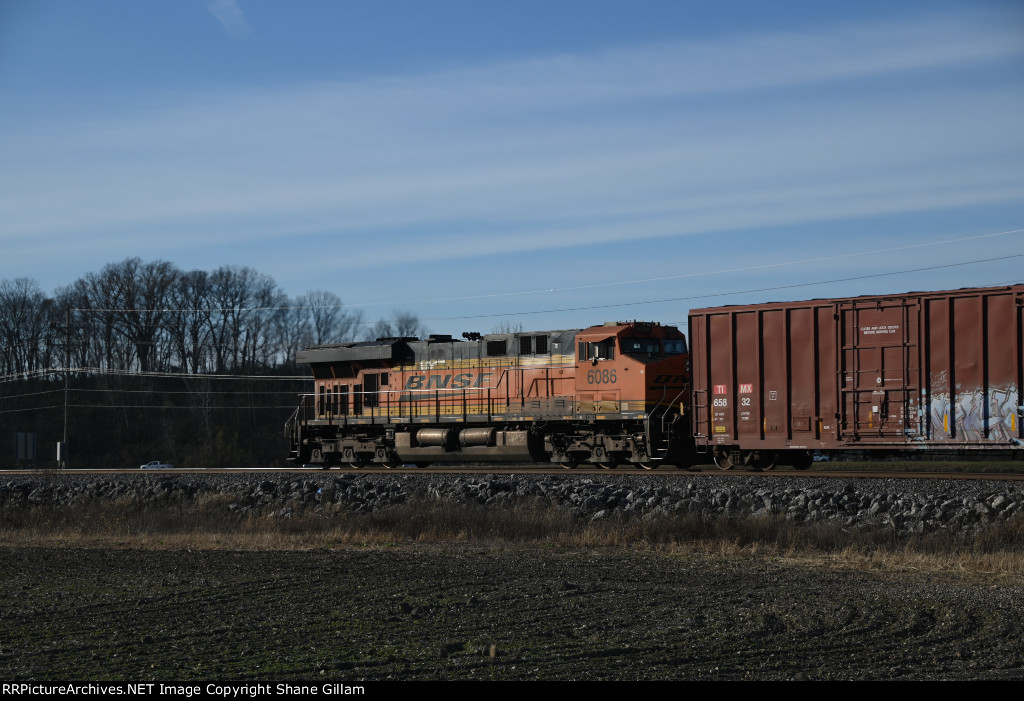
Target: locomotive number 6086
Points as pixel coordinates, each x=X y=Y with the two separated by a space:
x=601 y=377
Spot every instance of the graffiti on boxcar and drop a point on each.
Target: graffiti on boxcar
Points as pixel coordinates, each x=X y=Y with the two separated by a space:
x=977 y=415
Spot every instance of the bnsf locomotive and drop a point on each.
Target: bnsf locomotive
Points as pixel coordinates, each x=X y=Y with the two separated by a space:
x=605 y=395
x=772 y=383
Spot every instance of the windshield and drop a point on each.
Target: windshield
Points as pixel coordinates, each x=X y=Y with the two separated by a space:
x=676 y=346
x=641 y=345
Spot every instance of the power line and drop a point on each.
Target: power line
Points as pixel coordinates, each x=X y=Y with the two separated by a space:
x=994 y=284
x=239 y=407
x=27 y=375
x=34 y=408
x=174 y=391
x=246 y=407
x=262 y=392
x=8 y=379
x=764 y=266
x=702 y=273
x=30 y=394
x=178 y=375
x=725 y=294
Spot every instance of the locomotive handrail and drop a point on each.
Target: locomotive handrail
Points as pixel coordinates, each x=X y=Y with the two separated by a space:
x=292 y=420
x=654 y=413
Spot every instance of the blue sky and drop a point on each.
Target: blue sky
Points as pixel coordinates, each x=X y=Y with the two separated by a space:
x=483 y=162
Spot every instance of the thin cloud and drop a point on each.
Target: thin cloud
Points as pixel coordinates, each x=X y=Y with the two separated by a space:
x=737 y=63
x=437 y=161
x=619 y=167
x=231 y=18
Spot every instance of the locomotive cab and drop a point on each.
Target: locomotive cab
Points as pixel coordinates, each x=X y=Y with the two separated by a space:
x=632 y=379
x=631 y=368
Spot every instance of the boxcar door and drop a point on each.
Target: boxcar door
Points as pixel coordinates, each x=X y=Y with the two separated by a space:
x=879 y=370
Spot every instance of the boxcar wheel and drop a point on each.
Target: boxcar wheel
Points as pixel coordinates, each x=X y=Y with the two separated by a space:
x=802 y=460
x=722 y=461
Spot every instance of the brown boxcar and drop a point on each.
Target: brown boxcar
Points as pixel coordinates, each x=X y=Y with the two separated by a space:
x=921 y=370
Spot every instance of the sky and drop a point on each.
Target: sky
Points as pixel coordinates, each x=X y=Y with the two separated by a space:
x=542 y=164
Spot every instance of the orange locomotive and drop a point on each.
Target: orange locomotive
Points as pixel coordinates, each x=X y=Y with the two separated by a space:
x=605 y=395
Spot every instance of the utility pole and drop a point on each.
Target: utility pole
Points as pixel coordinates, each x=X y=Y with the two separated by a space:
x=62 y=447
x=62 y=457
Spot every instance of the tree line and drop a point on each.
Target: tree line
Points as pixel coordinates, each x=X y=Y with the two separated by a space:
x=193 y=367
x=155 y=317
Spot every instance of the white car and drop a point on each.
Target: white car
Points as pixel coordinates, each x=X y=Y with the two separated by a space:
x=156 y=465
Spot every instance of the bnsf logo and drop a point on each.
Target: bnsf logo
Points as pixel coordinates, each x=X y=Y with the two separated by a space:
x=461 y=381
x=669 y=379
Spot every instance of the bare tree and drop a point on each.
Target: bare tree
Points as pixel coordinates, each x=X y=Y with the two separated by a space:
x=400 y=325
x=381 y=329
x=24 y=312
x=151 y=316
x=508 y=326
x=230 y=292
x=88 y=350
x=94 y=299
x=331 y=322
x=244 y=308
x=140 y=301
x=189 y=322
x=293 y=330
x=258 y=326
x=408 y=324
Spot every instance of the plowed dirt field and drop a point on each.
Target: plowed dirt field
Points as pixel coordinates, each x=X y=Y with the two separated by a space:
x=453 y=612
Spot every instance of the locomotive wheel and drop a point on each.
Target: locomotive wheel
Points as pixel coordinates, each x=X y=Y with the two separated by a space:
x=608 y=465
x=648 y=465
x=569 y=465
x=421 y=465
x=391 y=463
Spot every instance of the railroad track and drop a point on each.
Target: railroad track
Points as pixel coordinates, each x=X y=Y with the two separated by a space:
x=897 y=473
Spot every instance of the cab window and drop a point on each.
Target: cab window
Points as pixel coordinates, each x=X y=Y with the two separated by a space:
x=641 y=345
x=601 y=350
x=675 y=346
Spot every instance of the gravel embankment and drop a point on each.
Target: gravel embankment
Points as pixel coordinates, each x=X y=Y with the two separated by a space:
x=905 y=506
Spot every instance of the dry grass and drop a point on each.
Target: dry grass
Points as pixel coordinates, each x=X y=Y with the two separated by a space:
x=1005 y=466
x=208 y=524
